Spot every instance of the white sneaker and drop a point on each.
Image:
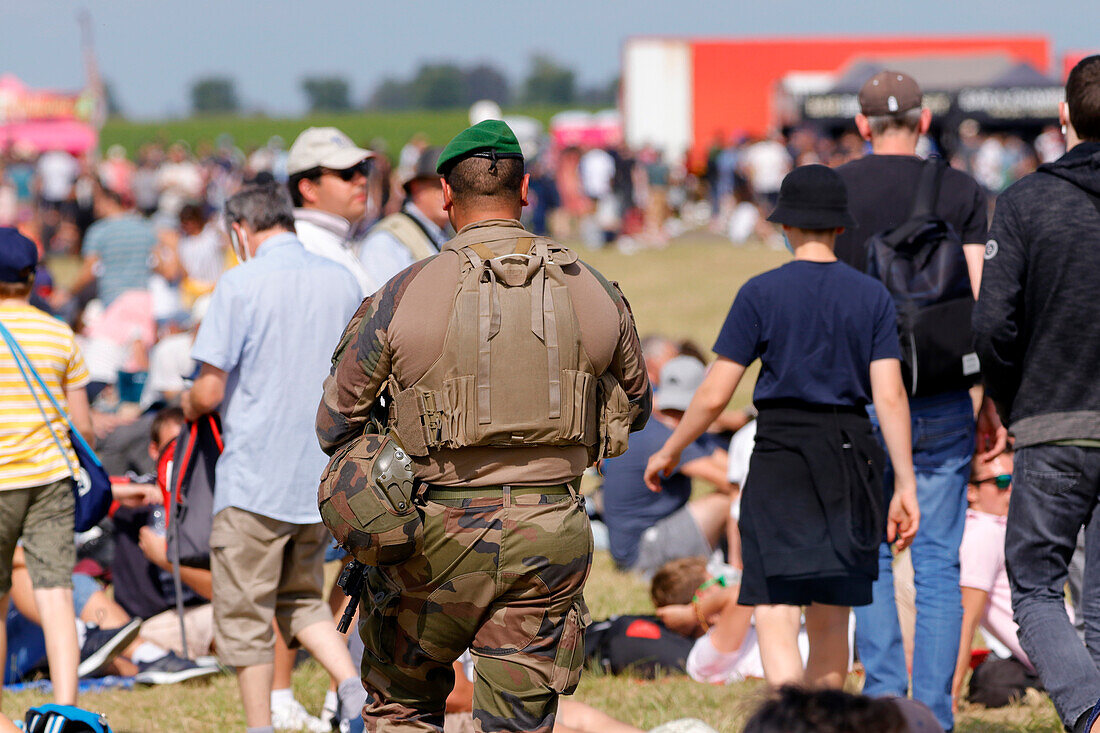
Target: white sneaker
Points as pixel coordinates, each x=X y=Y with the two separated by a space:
x=292 y=716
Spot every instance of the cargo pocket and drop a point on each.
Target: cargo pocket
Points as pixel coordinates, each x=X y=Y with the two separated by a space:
x=378 y=616
x=459 y=411
x=578 y=391
x=615 y=416
x=569 y=659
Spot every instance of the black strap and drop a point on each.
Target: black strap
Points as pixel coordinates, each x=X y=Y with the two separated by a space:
x=1093 y=196
x=421 y=227
x=924 y=202
x=928 y=189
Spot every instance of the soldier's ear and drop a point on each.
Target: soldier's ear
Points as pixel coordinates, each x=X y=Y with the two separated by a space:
x=448 y=201
x=523 y=188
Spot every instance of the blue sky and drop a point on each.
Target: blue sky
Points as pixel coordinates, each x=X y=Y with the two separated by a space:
x=151 y=50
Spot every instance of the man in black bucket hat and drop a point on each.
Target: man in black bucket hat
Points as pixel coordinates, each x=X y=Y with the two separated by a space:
x=812 y=513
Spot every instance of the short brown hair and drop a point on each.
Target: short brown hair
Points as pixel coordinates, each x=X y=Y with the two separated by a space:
x=480 y=178
x=1083 y=98
x=17 y=290
x=908 y=121
x=677 y=580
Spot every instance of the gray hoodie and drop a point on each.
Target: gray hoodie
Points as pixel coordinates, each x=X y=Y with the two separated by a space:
x=1037 y=320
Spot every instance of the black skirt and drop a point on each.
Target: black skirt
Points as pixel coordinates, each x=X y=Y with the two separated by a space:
x=812 y=515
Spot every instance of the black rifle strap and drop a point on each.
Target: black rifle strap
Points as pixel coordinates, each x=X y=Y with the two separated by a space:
x=928 y=189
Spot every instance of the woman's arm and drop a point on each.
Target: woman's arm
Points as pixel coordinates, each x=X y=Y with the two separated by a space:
x=892 y=407
x=80 y=413
x=710 y=399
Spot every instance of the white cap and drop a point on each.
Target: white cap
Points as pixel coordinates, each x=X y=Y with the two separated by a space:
x=324 y=147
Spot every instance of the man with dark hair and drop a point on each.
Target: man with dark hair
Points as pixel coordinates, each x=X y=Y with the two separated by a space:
x=415 y=232
x=1035 y=334
x=327 y=180
x=263 y=347
x=500 y=414
x=881 y=189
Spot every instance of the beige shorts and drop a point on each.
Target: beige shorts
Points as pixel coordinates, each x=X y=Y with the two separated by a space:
x=164 y=630
x=263 y=568
x=43 y=517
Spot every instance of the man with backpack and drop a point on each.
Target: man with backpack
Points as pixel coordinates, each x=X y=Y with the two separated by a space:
x=884 y=192
x=497 y=356
x=1035 y=331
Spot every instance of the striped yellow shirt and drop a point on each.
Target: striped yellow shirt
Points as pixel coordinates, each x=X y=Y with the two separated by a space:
x=28 y=454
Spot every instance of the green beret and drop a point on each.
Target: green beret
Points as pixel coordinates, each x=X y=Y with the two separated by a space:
x=490 y=139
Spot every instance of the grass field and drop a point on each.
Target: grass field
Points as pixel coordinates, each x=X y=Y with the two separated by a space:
x=684 y=291
x=250 y=132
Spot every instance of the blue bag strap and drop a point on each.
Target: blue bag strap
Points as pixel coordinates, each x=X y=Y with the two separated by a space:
x=20 y=357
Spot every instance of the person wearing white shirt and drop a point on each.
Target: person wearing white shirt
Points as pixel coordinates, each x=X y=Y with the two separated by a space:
x=327 y=182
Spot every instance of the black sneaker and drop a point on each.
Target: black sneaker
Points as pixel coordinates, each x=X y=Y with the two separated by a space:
x=170 y=669
x=101 y=646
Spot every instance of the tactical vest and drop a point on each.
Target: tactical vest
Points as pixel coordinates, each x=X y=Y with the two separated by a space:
x=513 y=371
x=409 y=233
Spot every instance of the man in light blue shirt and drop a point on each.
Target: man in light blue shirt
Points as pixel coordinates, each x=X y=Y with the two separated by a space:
x=265 y=346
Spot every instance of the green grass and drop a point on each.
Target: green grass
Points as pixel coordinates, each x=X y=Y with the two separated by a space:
x=250 y=132
x=683 y=291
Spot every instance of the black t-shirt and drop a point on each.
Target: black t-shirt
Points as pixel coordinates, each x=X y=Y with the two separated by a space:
x=881 y=189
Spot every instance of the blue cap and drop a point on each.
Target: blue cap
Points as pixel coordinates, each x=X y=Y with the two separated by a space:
x=18 y=256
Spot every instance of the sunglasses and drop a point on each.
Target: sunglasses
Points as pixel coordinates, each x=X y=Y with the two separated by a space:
x=348 y=174
x=719 y=580
x=1003 y=481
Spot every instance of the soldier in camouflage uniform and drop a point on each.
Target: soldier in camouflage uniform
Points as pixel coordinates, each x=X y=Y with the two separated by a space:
x=506 y=541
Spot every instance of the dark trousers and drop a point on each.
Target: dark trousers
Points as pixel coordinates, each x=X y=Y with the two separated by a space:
x=1054 y=492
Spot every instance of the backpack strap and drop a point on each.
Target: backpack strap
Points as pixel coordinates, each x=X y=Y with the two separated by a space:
x=542 y=304
x=928 y=189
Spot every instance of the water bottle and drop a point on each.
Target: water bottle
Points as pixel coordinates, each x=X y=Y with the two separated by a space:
x=158 y=520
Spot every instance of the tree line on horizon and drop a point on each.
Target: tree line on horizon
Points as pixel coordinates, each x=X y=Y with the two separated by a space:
x=433 y=86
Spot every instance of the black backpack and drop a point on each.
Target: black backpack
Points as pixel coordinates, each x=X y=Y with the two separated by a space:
x=639 y=646
x=923 y=266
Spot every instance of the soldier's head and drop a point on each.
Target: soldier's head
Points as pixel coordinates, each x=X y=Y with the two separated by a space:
x=891 y=116
x=328 y=172
x=1080 y=113
x=483 y=175
x=254 y=214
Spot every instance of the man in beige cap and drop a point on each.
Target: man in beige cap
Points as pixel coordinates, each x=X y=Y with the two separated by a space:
x=327 y=181
x=881 y=192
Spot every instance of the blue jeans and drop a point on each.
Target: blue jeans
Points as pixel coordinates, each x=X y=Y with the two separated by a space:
x=943 y=443
x=1054 y=491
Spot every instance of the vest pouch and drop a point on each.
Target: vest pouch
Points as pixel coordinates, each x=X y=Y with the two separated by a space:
x=412 y=424
x=459 y=411
x=615 y=414
x=578 y=419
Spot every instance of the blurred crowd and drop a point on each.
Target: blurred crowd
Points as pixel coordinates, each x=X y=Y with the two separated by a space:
x=633 y=198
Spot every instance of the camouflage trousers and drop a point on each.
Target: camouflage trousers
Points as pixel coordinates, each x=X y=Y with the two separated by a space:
x=501 y=575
